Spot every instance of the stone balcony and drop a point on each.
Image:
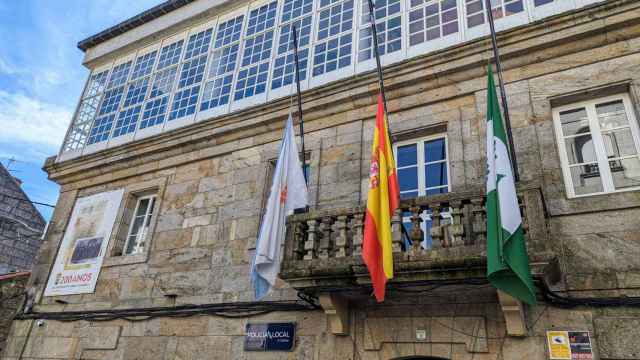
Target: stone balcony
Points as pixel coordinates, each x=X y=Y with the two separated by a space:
x=323 y=248
x=436 y=240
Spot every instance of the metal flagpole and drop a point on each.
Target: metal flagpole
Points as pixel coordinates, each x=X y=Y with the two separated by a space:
x=374 y=34
x=297 y=70
x=503 y=94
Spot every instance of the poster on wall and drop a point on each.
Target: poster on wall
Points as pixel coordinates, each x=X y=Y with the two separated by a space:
x=569 y=345
x=84 y=244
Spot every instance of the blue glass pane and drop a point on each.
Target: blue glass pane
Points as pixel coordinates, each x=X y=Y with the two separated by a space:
x=408 y=178
x=436 y=174
x=170 y=54
x=435 y=150
x=407 y=155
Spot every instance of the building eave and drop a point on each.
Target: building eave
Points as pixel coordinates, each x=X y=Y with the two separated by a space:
x=133 y=22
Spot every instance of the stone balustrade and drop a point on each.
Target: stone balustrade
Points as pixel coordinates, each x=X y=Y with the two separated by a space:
x=444 y=236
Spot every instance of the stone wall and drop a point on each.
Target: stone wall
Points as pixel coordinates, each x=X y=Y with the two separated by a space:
x=212 y=177
x=21 y=226
x=12 y=289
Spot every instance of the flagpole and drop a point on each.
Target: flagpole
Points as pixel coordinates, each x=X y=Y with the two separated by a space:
x=374 y=34
x=503 y=94
x=297 y=71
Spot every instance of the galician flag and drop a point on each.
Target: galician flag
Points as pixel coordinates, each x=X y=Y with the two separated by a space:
x=507 y=260
x=288 y=192
x=382 y=201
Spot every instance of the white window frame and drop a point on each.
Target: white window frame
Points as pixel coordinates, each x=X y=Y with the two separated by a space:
x=598 y=142
x=148 y=217
x=71 y=150
x=419 y=142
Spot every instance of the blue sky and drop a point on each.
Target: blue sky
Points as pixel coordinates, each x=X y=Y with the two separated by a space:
x=41 y=78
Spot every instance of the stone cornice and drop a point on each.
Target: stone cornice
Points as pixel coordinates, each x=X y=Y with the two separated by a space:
x=449 y=73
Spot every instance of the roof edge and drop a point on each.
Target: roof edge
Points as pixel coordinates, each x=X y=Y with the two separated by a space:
x=132 y=23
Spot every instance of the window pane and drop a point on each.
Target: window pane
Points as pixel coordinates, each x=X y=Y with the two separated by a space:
x=435 y=150
x=136 y=237
x=619 y=143
x=408 y=178
x=119 y=74
x=97 y=83
x=612 y=115
x=625 y=172
x=184 y=103
x=127 y=121
x=154 y=112
x=142 y=207
x=198 y=44
x=580 y=149
x=144 y=65
x=436 y=174
x=170 y=54
x=101 y=129
x=388 y=26
x=407 y=155
x=163 y=82
x=542 y=2
x=586 y=179
x=333 y=48
x=574 y=122
x=433 y=21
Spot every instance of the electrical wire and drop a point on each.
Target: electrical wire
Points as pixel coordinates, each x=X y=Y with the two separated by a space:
x=27 y=200
x=230 y=310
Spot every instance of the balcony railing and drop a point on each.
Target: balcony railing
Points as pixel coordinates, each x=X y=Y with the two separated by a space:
x=445 y=239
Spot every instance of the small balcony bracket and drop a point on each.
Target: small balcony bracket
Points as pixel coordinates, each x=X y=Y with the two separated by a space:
x=514 y=317
x=336 y=308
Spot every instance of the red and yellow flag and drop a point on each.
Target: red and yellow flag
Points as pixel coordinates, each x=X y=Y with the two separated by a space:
x=382 y=201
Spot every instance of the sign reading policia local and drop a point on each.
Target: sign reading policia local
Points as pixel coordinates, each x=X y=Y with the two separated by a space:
x=84 y=244
x=270 y=337
x=569 y=345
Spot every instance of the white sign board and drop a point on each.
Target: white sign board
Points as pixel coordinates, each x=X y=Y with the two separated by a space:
x=84 y=244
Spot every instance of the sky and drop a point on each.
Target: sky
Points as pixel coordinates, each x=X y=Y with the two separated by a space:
x=41 y=77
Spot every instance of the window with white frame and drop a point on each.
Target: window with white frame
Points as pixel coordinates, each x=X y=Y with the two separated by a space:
x=138 y=232
x=249 y=52
x=388 y=17
x=476 y=15
x=298 y=14
x=599 y=145
x=423 y=170
x=254 y=66
x=334 y=37
x=430 y=20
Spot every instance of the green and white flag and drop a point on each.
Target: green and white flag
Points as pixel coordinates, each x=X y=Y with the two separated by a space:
x=507 y=260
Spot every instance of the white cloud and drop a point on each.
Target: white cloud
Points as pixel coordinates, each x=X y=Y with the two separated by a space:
x=27 y=120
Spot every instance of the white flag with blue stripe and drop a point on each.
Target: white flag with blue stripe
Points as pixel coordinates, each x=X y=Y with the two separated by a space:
x=288 y=192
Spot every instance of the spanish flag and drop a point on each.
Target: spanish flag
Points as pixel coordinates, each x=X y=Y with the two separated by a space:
x=382 y=201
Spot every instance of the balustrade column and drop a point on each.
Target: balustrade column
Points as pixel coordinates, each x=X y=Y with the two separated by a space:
x=312 y=240
x=358 y=232
x=416 y=234
x=341 y=236
x=478 y=211
x=325 y=241
x=457 y=227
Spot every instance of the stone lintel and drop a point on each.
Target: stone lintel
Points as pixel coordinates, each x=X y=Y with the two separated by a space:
x=336 y=307
x=513 y=311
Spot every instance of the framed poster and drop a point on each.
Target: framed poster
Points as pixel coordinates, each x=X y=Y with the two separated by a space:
x=84 y=244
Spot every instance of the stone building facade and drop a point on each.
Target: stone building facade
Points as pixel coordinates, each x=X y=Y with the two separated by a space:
x=21 y=226
x=209 y=179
